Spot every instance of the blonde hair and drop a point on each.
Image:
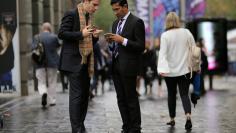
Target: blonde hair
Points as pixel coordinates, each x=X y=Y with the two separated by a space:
x=172 y=21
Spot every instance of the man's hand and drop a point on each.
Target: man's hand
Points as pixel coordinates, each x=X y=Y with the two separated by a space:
x=117 y=38
x=87 y=31
x=108 y=39
x=96 y=33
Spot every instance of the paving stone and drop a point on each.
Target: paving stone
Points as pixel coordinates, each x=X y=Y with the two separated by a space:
x=214 y=113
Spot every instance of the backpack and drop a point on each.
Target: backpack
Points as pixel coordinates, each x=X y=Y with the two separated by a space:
x=38 y=53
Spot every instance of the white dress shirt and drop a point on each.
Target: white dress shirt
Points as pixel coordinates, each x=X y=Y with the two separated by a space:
x=173 y=55
x=122 y=26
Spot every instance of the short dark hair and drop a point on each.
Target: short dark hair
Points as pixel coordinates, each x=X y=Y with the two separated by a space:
x=121 y=2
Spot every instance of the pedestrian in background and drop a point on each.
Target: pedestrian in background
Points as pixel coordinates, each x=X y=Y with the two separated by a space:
x=46 y=73
x=158 y=77
x=149 y=68
x=77 y=58
x=174 y=67
x=204 y=65
x=128 y=44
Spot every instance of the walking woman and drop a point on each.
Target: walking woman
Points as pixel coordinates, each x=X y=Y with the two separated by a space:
x=173 y=66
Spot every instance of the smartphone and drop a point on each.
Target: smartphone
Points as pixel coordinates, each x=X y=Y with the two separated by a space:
x=94 y=28
x=107 y=35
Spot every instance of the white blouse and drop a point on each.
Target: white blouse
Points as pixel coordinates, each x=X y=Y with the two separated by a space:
x=173 y=55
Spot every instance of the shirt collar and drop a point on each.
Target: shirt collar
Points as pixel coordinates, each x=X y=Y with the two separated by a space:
x=126 y=16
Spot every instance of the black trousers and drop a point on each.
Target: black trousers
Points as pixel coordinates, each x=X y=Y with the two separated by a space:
x=183 y=83
x=127 y=99
x=78 y=98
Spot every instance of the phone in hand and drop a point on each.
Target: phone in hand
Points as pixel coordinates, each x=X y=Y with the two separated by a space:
x=94 y=28
x=107 y=35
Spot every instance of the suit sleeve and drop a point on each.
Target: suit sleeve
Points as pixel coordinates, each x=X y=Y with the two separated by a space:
x=138 y=44
x=66 y=28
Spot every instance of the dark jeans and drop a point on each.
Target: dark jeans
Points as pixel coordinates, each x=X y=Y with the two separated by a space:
x=183 y=83
x=78 y=98
x=127 y=99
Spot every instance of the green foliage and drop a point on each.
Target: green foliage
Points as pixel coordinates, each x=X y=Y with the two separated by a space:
x=104 y=16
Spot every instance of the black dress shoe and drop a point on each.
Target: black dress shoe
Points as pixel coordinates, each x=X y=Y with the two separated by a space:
x=171 y=123
x=124 y=131
x=188 y=125
x=194 y=99
x=138 y=131
x=44 y=99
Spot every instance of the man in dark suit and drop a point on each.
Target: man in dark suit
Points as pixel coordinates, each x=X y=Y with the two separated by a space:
x=78 y=39
x=128 y=43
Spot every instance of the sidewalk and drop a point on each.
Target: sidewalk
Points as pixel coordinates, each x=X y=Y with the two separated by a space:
x=214 y=113
x=6 y=97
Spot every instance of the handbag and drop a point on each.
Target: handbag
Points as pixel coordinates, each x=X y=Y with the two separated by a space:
x=194 y=58
x=38 y=53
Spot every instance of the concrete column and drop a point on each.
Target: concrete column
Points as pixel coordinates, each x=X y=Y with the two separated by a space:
x=63 y=6
x=56 y=15
x=73 y=3
x=48 y=6
x=37 y=15
x=25 y=38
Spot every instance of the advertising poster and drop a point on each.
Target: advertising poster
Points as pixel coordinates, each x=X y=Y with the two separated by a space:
x=9 y=47
x=160 y=10
x=142 y=9
x=156 y=10
x=195 y=8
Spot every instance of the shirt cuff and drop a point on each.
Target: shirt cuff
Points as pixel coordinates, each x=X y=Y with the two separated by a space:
x=125 y=41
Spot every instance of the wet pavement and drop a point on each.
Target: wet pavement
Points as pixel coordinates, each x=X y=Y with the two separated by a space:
x=214 y=113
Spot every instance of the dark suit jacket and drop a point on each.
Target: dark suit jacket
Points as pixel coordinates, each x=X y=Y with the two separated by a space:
x=70 y=33
x=129 y=55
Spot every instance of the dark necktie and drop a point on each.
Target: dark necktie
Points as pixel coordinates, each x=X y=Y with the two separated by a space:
x=119 y=27
x=87 y=18
x=119 y=31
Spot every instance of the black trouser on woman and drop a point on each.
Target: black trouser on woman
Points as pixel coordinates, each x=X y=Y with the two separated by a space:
x=183 y=83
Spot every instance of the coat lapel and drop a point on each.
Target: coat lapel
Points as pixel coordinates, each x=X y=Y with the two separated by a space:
x=115 y=26
x=127 y=23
